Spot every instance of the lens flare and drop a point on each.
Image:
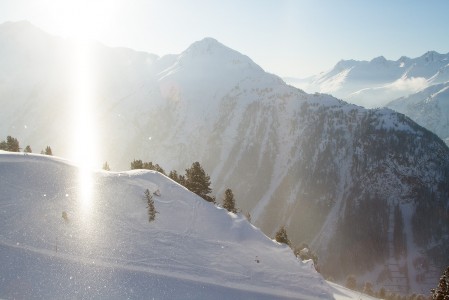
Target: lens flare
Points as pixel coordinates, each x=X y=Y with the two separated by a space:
x=84 y=146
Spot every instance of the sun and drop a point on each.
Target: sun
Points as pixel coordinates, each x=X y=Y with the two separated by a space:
x=79 y=19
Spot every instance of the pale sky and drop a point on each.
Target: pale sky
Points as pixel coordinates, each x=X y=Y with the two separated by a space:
x=289 y=38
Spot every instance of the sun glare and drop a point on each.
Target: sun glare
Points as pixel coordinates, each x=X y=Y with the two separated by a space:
x=80 y=19
x=84 y=128
x=83 y=97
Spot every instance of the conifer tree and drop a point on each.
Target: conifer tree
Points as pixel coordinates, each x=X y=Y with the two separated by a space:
x=139 y=164
x=150 y=206
x=229 y=201
x=65 y=216
x=106 y=166
x=174 y=175
x=148 y=165
x=12 y=144
x=136 y=164
x=177 y=177
x=442 y=291
x=158 y=169
x=27 y=149
x=197 y=181
x=48 y=151
x=182 y=180
x=281 y=236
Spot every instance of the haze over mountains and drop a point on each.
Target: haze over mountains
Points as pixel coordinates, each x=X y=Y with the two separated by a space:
x=429 y=108
x=338 y=176
x=418 y=82
x=375 y=83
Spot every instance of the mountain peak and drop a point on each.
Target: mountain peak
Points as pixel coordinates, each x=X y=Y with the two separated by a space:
x=207 y=45
x=431 y=56
x=212 y=51
x=209 y=41
x=210 y=47
x=380 y=59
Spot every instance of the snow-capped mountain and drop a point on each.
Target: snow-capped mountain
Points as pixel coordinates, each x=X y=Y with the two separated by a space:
x=358 y=185
x=429 y=108
x=375 y=83
x=58 y=243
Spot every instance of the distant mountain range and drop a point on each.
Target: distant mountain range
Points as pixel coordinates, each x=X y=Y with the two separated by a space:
x=378 y=82
x=375 y=83
x=363 y=187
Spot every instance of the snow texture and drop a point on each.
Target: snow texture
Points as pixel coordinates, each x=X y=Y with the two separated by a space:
x=104 y=246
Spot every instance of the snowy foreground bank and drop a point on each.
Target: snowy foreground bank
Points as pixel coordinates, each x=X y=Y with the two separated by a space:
x=71 y=233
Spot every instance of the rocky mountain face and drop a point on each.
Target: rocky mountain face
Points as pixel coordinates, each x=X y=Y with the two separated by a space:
x=429 y=108
x=368 y=189
x=375 y=83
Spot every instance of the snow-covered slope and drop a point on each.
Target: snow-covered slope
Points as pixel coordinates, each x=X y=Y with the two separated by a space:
x=374 y=83
x=106 y=248
x=328 y=170
x=429 y=108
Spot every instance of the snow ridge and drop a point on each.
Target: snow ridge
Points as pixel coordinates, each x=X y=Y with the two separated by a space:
x=190 y=244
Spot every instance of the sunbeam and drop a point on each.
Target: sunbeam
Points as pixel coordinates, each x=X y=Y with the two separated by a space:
x=84 y=128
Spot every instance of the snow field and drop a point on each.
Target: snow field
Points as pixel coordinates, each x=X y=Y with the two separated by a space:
x=107 y=248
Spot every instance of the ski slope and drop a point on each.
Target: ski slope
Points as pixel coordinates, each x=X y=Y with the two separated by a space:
x=106 y=248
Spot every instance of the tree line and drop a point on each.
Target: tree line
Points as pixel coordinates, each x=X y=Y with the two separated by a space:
x=195 y=180
x=11 y=144
x=198 y=181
